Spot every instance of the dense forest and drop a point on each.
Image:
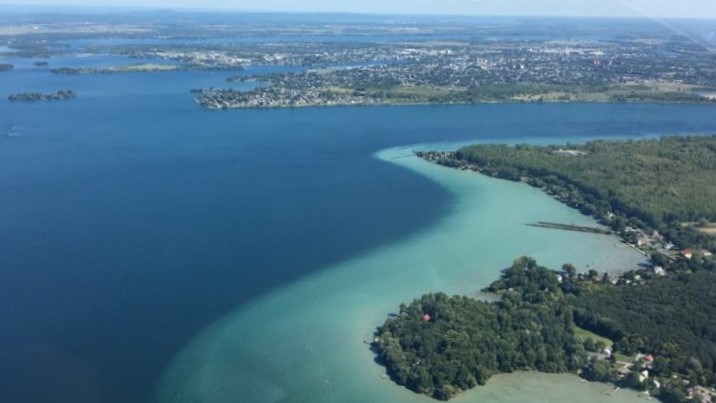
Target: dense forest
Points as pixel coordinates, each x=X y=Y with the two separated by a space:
x=671 y=317
x=651 y=184
x=440 y=345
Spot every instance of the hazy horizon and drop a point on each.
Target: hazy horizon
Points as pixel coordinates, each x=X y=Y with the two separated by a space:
x=658 y=9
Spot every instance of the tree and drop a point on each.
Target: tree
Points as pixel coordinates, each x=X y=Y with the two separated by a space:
x=600 y=345
x=632 y=380
x=570 y=270
x=673 y=392
x=658 y=259
x=599 y=370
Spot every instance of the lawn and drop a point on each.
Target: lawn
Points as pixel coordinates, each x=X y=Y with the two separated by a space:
x=584 y=334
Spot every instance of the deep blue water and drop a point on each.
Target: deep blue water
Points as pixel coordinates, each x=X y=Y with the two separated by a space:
x=130 y=218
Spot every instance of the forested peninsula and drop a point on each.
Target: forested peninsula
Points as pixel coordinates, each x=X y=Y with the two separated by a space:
x=652 y=328
x=667 y=185
x=651 y=332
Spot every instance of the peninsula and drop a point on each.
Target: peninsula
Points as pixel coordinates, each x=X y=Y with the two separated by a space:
x=650 y=328
x=651 y=192
x=642 y=330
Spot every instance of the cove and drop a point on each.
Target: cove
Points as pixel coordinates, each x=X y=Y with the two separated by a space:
x=304 y=342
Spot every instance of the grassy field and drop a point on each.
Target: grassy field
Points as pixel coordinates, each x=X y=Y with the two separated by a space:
x=619 y=357
x=584 y=334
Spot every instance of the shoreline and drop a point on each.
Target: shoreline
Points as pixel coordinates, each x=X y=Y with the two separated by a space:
x=546 y=168
x=409 y=363
x=597 y=229
x=705 y=101
x=318 y=324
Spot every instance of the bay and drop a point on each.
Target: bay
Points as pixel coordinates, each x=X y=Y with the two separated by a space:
x=306 y=342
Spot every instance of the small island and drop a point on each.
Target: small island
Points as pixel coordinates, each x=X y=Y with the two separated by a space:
x=38 y=96
x=134 y=68
x=145 y=68
x=6 y=67
x=652 y=328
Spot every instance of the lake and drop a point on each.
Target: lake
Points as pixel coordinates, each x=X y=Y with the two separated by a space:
x=153 y=250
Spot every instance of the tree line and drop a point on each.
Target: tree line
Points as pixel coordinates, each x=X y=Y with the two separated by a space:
x=657 y=184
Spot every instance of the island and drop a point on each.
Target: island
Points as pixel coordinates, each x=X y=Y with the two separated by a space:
x=134 y=68
x=6 y=67
x=37 y=96
x=651 y=328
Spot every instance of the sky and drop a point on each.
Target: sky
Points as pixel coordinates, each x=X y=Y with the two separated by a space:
x=609 y=8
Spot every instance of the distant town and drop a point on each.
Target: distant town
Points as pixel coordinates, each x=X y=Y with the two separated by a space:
x=474 y=72
x=352 y=62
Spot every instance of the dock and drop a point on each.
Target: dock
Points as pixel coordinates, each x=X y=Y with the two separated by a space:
x=569 y=227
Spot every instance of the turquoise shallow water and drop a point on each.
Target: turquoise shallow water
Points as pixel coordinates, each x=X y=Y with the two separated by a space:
x=304 y=342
